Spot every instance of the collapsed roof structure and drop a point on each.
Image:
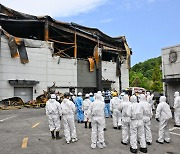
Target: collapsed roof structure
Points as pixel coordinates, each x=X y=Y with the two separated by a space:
x=70 y=39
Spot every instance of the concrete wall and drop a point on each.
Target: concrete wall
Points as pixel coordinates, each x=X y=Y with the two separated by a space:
x=109 y=73
x=171 y=71
x=85 y=78
x=42 y=67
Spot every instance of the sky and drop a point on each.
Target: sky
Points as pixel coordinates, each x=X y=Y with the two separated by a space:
x=148 y=25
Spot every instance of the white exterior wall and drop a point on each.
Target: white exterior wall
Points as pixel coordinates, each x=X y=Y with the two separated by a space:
x=171 y=71
x=109 y=73
x=124 y=75
x=42 y=67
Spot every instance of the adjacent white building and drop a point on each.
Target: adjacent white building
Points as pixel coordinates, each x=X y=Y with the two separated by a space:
x=171 y=71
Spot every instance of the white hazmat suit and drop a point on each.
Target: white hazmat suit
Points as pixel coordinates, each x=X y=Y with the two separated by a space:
x=146 y=118
x=177 y=109
x=85 y=106
x=136 y=112
x=53 y=111
x=163 y=114
x=125 y=104
x=68 y=110
x=96 y=112
x=114 y=104
x=149 y=99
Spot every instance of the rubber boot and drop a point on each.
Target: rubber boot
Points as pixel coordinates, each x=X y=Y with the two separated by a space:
x=143 y=150
x=85 y=124
x=133 y=150
x=57 y=135
x=90 y=125
x=52 y=134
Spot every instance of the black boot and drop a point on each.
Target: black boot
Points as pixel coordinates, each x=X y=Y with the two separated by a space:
x=143 y=150
x=52 y=134
x=119 y=127
x=85 y=124
x=133 y=150
x=57 y=135
x=90 y=125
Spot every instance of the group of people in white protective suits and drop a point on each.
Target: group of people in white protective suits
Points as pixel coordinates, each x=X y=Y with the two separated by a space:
x=130 y=114
x=66 y=110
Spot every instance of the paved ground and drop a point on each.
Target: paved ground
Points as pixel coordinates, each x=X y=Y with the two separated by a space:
x=30 y=126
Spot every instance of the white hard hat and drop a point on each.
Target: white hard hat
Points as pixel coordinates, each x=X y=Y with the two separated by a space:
x=176 y=93
x=99 y=92
x=79 y=94
x=53 y=96
x=91 y=94
x=87 y=95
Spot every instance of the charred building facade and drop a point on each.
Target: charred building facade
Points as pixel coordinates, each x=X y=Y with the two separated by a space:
x=39 y=53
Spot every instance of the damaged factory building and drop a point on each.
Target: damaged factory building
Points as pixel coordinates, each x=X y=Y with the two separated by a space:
x=38 y=53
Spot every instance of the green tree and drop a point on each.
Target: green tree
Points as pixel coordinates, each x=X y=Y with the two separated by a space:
x=147 y=74
x=136 y=82
x=156 y=78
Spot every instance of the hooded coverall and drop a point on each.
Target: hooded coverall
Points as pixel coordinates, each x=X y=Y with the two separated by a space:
x=53 y=111
x=135 y=112
x=68 y=110
x=85 y=107
x=125 y=118
x=96 y=112
x=146 y=117
x=177 y=108
x=163 y=113
x=114 y=104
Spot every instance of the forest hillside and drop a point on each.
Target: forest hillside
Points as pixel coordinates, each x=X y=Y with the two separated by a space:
x=147 y=74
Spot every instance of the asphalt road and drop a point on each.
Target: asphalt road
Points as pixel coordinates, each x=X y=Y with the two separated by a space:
x=25 y=131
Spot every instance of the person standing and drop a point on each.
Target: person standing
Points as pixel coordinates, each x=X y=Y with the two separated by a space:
x=163 y=114
x=107 y=99
x=116 y=114
x=78 y=103
x=149 y=99
x=135 y=112
x=91 y=97
x=68 y=110
x=123 y=107
x=85 y=107
x=96 y=113
x=146 y=118
x=177 y=109
x=53 y=111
